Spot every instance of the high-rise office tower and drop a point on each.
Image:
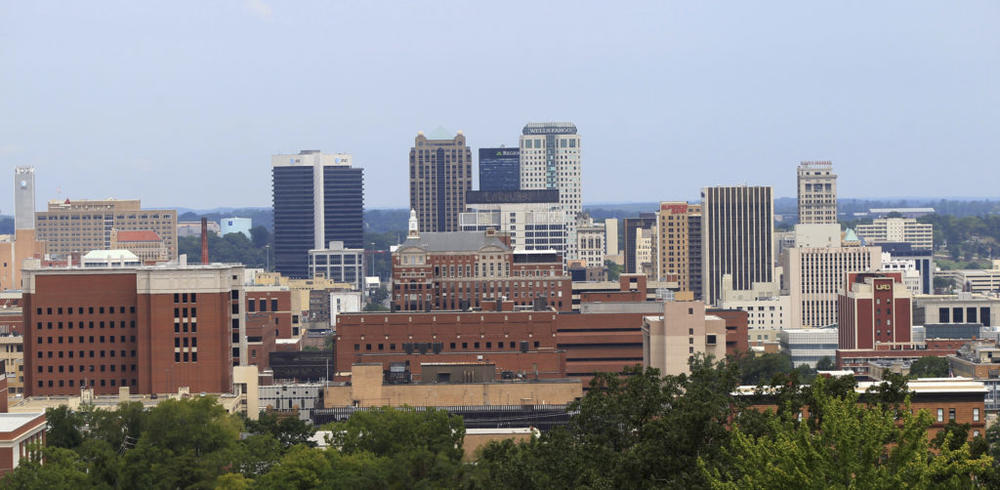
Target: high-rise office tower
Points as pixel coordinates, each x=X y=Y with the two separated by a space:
x=633 y=240
x=440 y=175
x=499 y=169
x=318 y=198
x=817 y=193
x=737 y=227
x=550 y=159
x=23 y=244
x=678 y=247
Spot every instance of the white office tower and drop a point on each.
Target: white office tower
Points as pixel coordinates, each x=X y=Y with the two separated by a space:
x=550 y=159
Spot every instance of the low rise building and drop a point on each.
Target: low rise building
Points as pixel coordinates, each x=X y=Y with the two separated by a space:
x=297 y=398
x=145 y=244
x=683 y=330
x=236 y=225
x=908 y=230
x=336 y=263
x=193 y=228
x=958 y=308
x=806 y=346
x=980 y=360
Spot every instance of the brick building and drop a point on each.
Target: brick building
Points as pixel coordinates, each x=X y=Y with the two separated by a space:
x=145 y=244
x=152 y=329
x=268 y=318
x=18 y=432
x=604 y=336
x=462 y=270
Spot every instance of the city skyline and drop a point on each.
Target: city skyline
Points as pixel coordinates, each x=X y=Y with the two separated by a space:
x=727 y=94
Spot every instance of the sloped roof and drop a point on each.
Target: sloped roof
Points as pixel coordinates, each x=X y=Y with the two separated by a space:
x=454 y=241
x=138 y=236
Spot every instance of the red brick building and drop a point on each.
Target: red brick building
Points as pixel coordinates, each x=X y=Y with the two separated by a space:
x=462 y=270
x=152 y=329
x=875 y=322
x=602 y=337
x=268 y=318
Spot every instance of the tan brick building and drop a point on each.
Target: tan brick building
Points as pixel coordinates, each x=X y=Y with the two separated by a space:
x=84 y=225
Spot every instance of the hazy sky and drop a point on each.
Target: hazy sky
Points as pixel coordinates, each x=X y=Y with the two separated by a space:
x=182 y=103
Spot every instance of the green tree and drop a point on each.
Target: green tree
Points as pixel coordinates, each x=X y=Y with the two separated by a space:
x=930 y=367
x=854 y=446
x=63 y=469
x=288 y=430
x=259 y=236
x=825 y=364
x=614 y=270
x=63 y=427
x=757 y=369
x=184 y=442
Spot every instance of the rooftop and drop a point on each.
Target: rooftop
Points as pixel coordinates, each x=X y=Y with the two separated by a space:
x=10 y=422
x=454 y=241
x=138 y=236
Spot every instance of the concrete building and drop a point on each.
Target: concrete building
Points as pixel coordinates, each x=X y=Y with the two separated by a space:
x=633 y=240
x=768 y=311
x=645 y=252
x=499 y=169
x=300 y=398
x=737 y=227
x=440 y=175
x=460 y=270
x=12 y=360
x=345 y=302
x=534 y=219
x=193 y=228
x=146 y=245
x=683 y=330
x=908 y=230
x=340 y=264
x=980 y=361
x=236 y=225
x=611 y=240
x=24 y=244
x=911 y=275
x=978 y=281
x=591 y=241
x=109 y=328
x=678 y=245
x=806 y=346
x=814 y=272
x=317 y=198
x=551 y=159
x=961 y=308
x=922 y=258
x=109 y=258
x=817 y=193
x=83 y=225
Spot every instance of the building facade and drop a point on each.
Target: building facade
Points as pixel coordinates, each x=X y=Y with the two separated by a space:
x=682 y=331
x=633 y=239
x=817 y=193
x=533 y=218
x=678 y=249
x=84 y=225
x=24 y=243
x=499 y=169
x=814 y=277
x=236 y=225
x=591 y=240
x=461 y=270
x=737 y=227
x=875 y=311
x=317 y=198
x=550 y=155
x=146 y=245
x=907 y=230
x=151 y=329
x=440 y=175
x=340 y=264
x=806 y=346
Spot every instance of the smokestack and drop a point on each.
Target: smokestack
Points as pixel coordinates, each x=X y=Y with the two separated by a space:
x=204 y=241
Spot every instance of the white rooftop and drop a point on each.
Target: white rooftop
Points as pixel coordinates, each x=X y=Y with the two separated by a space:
x=9 y=422
x=104 y=255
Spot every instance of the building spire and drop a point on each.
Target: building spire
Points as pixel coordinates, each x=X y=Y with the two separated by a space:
x=414 y=231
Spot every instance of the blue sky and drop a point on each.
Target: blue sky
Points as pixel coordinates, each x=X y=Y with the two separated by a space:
x=182 y=103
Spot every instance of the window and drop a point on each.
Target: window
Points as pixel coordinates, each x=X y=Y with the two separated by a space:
x=940 y=415
x=951 y=414
x=975 y=415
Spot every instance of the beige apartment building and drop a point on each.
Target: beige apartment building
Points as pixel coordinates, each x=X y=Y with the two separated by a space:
x=678 y=250
x=817 y=193
x=84 y=225
x=668 y=341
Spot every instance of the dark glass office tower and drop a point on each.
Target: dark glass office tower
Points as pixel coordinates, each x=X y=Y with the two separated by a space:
x=317 y=198
x=499 y=169
x=737 y=238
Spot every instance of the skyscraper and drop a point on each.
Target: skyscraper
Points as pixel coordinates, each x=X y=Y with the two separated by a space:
x=499 y=169
x=440 y=175
x=550 y=159
x=23 y=244
x=817 y=185
x=737 y=227
x=318 y=198
x=678 y=247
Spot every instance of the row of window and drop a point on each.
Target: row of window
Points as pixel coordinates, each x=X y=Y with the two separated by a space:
x=79 y=310
x=69 y=339
x=452 y=346
x=261 y=304
x=103 y=368
x=110 y=353
x=69 y=325
x=83 y=382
